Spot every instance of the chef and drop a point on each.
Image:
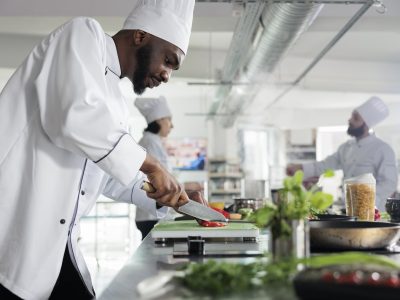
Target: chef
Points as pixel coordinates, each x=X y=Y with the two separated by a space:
x=65 y=140
x=159 y=124
x=364 y=154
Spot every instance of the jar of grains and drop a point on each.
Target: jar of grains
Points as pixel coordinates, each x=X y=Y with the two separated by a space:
x=360 y=197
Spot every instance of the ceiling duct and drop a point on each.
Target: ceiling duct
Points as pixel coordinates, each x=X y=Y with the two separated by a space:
x=282 y=24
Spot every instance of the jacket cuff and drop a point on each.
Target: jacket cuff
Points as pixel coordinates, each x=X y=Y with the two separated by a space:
x=124 y=160
x=308 y=170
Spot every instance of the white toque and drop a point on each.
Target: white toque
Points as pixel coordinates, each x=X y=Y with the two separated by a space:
x=153 y=108
x=170 y=20
x=373 y=111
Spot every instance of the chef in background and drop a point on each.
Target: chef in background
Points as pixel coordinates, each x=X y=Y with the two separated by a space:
x=364 y=154
x=64 y=130
x=159 y=124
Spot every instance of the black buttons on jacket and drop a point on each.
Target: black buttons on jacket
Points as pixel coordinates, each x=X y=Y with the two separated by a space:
x=62 y=221
x=83 y=193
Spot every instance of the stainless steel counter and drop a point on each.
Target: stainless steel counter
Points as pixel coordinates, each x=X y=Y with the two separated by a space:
x=150 y=259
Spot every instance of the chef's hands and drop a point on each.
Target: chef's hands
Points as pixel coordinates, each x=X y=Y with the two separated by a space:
x=197 y=196
x=168 y=191
x=292 y=168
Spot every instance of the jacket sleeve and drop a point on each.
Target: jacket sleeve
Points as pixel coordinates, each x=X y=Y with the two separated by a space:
x=133 y=194
x=386 y=176
x=75 y=114
x=319 y=167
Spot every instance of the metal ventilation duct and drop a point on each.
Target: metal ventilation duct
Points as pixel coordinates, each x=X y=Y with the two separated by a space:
x=283 y=24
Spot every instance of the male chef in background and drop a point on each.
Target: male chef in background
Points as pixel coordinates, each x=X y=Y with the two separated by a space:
x=65 y=139
x=364 y=154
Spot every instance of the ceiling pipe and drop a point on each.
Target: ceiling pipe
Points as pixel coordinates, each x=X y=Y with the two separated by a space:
x=283 y=24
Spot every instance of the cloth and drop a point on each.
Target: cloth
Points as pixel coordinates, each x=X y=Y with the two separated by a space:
x=170 y=20
x=64 y=131
x=153 y=109
x=153 y=145
x=373 y=111
x=368 y=155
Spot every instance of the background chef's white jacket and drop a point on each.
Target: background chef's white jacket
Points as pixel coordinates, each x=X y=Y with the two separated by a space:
x=153 y=144
x=368 y=155
x=64 y=140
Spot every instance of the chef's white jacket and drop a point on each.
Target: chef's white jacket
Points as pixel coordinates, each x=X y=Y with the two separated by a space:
x=154 y=146
x=64 y=140
x=368 y=155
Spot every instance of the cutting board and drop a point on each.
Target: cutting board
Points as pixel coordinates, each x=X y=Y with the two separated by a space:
x=183 y=229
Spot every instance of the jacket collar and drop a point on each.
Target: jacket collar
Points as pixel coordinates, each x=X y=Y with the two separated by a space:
x=112 y=59
x=365 y=141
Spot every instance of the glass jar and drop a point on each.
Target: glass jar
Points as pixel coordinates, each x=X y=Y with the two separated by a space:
x=360 y=197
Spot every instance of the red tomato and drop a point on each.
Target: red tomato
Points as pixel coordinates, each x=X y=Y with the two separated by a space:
x=225 y=213
x=328 y=277
x=392 y=281
x=211 y=224
x=377 y=215
x=351 y=277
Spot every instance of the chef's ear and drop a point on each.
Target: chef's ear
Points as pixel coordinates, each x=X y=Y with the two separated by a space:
x=139 y=36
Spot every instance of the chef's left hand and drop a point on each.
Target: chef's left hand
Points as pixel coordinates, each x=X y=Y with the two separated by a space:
x=197 y=196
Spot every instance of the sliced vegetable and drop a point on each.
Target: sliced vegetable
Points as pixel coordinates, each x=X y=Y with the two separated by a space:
x=211 y=224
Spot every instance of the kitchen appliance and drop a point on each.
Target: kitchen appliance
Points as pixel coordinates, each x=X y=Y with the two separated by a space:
x=339 y=235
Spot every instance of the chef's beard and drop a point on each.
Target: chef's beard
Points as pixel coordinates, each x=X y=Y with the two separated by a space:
x=143 y=69
x=356 y=132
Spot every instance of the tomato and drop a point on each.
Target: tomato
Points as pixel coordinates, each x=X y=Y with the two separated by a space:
x=377 y=215
x=225 y=213
x=328 y=277
x=351 y=277
x=374 y=278
x=211 y=224
x=392 y=281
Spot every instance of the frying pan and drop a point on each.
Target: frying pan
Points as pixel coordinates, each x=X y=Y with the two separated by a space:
x=360 y=235
x=330 y=217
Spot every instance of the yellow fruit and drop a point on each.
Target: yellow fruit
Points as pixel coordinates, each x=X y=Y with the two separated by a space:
x=218 y=205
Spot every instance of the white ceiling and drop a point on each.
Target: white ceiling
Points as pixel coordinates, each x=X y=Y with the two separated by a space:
x=365 y=61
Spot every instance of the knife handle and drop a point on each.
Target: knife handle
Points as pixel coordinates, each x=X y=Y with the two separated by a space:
x=147 y=187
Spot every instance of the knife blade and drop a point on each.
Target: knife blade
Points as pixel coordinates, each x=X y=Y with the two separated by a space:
x=192 y=208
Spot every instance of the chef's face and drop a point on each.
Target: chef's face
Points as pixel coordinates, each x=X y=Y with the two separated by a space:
x=165 y=126
x=155 y=61
x=357 y=125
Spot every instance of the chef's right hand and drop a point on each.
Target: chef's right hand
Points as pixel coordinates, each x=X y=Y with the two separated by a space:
x=292 y=168
x=168 y=191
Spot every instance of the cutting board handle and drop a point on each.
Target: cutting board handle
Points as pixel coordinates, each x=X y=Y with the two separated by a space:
x=147 y=187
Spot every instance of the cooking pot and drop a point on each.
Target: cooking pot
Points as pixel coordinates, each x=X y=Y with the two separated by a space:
x=353 y=235
x=252 y=203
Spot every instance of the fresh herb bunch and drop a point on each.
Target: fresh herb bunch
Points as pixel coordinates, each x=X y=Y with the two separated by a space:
x=222 y=278
x=295 y=203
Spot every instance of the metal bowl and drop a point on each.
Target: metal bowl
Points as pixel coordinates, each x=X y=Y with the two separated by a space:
x=353 y=235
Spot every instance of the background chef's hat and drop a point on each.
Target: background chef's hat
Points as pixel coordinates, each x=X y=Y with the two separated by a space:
x=170 y=20
x=153 y=108
x=373 y=111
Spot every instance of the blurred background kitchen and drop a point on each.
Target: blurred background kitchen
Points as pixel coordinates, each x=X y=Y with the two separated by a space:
x=262 y=86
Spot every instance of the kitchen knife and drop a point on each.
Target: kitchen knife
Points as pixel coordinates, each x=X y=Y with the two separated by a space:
x=192 y=208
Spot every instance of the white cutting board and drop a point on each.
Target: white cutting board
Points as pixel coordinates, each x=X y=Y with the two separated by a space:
x=183 y=229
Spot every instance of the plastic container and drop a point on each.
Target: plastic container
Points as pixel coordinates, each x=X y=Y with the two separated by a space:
x=360 y=197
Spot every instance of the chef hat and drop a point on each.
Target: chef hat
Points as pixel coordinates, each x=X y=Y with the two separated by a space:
x=153 y=108
x=373 y=111
x=170 y=20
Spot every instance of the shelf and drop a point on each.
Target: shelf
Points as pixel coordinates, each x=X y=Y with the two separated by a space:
x=225 y=175
x=221 y=192
x=301 y=150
